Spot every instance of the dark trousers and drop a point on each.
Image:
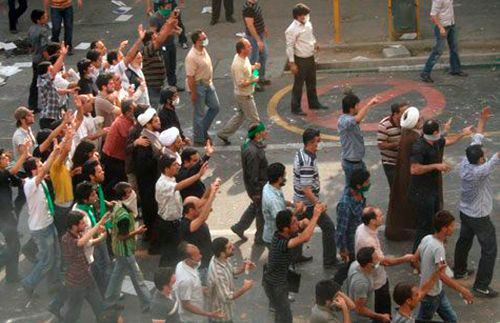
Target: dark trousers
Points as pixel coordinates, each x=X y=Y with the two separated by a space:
x=115 y=173
x=278 y=299
x=59 y=16
x=10 y=255
x=33 y=98
x=485 y=231
x=327 y=235
x=383 y=299
x=169 y=241
x=182 y=36
x=15 y=13
x=253 y=211
x=76 y=296
x=169 y=55
x=307 y=74
x=425 y=205
x=341 y=274
x=216 y=7
x=149 y=207
x=390 y=173
x=60 y=219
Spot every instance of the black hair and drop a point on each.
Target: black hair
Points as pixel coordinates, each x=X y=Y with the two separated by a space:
x=94 y=55
x=120 y=189
x=187 y=153
x=430 y=126
x=112 y=56
x=73 y=218
x=474 y=153
x=29 y=165
x=82 y=151
x=349 y=102
x=93 y=44
x=187 y=207
x=43 y=67
x=396 y=107
x=83 y=65
x=165 y=162
x=442 y=219
x=127 y=105
x=36 y=14
x=139 y=109
x=88 y=168
x=53 y=58
x=402 y=292
x=325 y=291
x=358 y=177
x=240 y=45
x=219 y=245
x=368 y=215
x=162 y=277
x=309 y=134
x=148 y=36
x=103 y=80
x=42 y=135
x=365 y=256
x=53 y=48
x=83 y=191
x=167 y=93
x=283 y=219
x=195 y=36
x=300 y=9
x=275 y=171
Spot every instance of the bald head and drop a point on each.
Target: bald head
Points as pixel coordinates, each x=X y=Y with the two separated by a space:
x=243 y=47
x=372 y=216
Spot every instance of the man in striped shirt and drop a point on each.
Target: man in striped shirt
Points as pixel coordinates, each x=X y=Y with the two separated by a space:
x=388 y=136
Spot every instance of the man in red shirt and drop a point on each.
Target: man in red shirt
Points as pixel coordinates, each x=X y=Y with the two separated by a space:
x=113 y=152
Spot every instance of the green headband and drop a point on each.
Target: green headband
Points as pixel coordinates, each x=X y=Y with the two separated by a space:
x=260 y=127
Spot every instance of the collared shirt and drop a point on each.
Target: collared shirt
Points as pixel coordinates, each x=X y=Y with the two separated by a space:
x=168 y=198
x=221 y=288
x=19 y=137
x=444 y=10
x=323 y=314
x=388 y=132
x=400 y=318
x=366 y=237
x=48 y=97
x=300 y=40
x=77 y=273
x=351 y=138
x=476 y=195
x=144 y=98
x=241 y=71
x=349 y=212
x=38 y=208
x=38 y=36
x=425 y=153
x=188 y=288
x=199 y=65
x=273 y=201
x=116 y=139
x=305 y=173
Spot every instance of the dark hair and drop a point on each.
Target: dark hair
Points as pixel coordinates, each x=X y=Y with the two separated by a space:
x=42 y=135
x=396 y=107
x=73 y=218
x=326 y=290
x=474 y=153
x=83 y=65
x=368 y=215
x=300 y=9
x=82 y=150
x=430 y=126
x=43 y=67
x=139 y=109
x=274 y=172
x=309 y=134
x=83 y=191
x=442 y=219
x=103 y=80
x=53 y=58
x=88 y=168
x=29 y=165
x=358 y=177
x=251 y=130
x=349 y=102
x=165 y=162
x=162 y=277
x=120 y=189
x=187 y=207
x=93 y=44
x=93 y=55
x=127 y=105
x=219 y=245
x=167 y=93
x=36 y=15
x=283 y=219
x=240 y=45
x=402 y=292
x=195 y=36
x=112 y=56
x=53 y=48
x=365 y=256
x=187 y=153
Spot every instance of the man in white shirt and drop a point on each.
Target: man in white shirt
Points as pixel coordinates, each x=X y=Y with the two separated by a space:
x=443 y=18
x=24 y=119
x=189 y=289
x=244 y=85
x=300 y=48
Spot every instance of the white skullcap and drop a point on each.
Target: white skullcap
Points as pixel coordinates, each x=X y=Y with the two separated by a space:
x=169 y=136
x=410 y=117
x=146 y=116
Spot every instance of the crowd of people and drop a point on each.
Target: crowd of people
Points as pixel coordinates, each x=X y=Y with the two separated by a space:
x=111 y=171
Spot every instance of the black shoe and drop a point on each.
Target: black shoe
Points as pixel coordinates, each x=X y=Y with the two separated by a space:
x=488 y=292
x=299 y=113
x=319 y=107
x=463 y=275
x=213 y=22
x=231 y=20
x=240 y=234
x=461 y=73
x=224 y=141
x=426 y=78
x=13 y=31
x=302 y=259
x=265 y=82
x=259 y=88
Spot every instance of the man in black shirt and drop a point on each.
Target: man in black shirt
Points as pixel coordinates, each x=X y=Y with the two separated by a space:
x=169 y=99
x=191 y=164
x=426 y=159
x=165 y=306
x=275 y=281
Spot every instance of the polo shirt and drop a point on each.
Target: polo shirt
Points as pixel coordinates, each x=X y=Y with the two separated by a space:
x=200 y=238
x=38 y=210
x=199 y=65
x=351 y=138
x=278 y=261
x=425 y=153
x=241 y=71
x=77 y=273
x=188 y=288
x=253 y=10
x=389 y=132
x=116 y=139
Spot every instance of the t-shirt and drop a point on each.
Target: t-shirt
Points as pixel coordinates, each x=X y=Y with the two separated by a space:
x=77 y=273
x=398 y=318
x=431 y=253
x=278 y=261
x=188 y=288
x=351 y=138
x=323 y=314
x=426 y=154
x=388 y=132
x=165 y=308
x=38 y=209
x=200 y=238
x=38 y=37
x=105 y=109
x=359 y=285
x=19 y=137
x=253 y=10
x=60 y=177
x=87 y=86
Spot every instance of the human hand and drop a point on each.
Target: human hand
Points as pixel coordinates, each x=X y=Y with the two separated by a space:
x=216 y=184
x=260 y=44
x=485 y=113
x=249 y=265
x=141 y=229
x=142 y=141
x=385 y=317
x=300 y=207
x=141 y=32
x=256 y=66
x=447 y=125
x=467 y=131
x=344 y=254
x=219 y=314
x=247 y=284
x=194 y=95
x=203 y=169
x=340 y=303
x=442 y=31
x=209 y=148
x=123 y=44
x=374 y=101
x=443 y=167
x=319 y=208
x=467 y=295
x=294 y=68
x=64 y=49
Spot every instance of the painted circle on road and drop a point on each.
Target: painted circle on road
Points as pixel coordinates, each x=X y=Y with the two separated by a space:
x=435 y=102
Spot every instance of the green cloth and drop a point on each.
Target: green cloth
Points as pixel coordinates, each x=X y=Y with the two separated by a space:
x=50 y=203
x=90 y=211
x=122 y=248
x=251 y=134
x=102 y=206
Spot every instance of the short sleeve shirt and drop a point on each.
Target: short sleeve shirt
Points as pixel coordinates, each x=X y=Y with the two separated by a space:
x=444 y=10
x=253 y=10
x=278 y=261
x=188 y=288
x=6 y=181
x=18 y=138
x=200 y=238
x=164 y=308
x=105 y=109
x=38 y=37
x=351 y=138
x=426 y=154
x=322 y=314
x=199 y=65
x=38 y=210
x=168 y=199
x=431 y=253
x=77 y=273
x=398 y=318
x=360 y=286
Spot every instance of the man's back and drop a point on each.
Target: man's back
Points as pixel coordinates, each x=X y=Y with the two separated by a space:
x=359 y=285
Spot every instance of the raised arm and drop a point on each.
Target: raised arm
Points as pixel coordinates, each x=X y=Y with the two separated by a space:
x=450 y=140
x=132 y=52
x=58 y=65
x=485 y=114
x=305 y=235
x=364 y=110
x=165 y=31
x=206 y=208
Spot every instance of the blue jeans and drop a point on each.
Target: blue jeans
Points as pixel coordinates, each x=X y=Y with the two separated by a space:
x=48 y=258
x=349 y=168
x=437 y=50
x=127 y=266
x=258 y=56
x=101 y=267
x=202 y=119
x=58 y=16
x=439 y=304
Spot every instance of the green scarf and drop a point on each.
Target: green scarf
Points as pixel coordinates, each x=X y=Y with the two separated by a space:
x=251 y=134
x=89 y=209
x=50 y=203
x=103 y=207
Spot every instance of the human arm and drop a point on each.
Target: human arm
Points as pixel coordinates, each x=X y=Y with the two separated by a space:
x=54 y=133
x=124 y=235
x=450 y=140
x=79 y=3
x=430 y=282
x=305 y=235
x=364 y=109
x=419 y=169
x=58 y=65
x=394 y=261
x=46 y=6
x=132 y=52
x=48 y=163
x=483 y=118
x=23 y=155
x=249 y=22
x=191 y=180
x=165 y=31
x=436 y=8
x=87 y=236
x=190 y=307
x=206 y=208
x=343 y=215
x=362 y=309
x=450 y=282
x=290 y=39
x=192 y=87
